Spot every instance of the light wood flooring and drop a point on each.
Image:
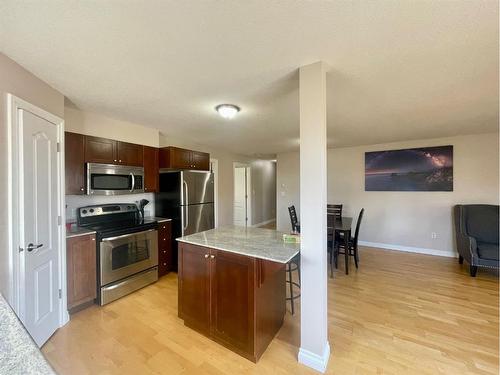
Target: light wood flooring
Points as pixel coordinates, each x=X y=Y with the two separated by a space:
x=400 y=313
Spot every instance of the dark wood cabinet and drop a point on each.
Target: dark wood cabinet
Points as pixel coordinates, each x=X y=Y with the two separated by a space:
x=151 y=169
x=164 y=247
x=236 y=300
x=100 y=150
x=109 y=151
x=129 y=154
x=81 y=271
x=232 y=291
x=74 y=160
x=194 y=287
x=200 y=160
x=180 y=158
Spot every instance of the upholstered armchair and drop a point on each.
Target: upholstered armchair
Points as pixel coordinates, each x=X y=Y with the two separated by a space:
x=476 y=230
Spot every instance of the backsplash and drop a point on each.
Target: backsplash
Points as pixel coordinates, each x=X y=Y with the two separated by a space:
x=75 y=201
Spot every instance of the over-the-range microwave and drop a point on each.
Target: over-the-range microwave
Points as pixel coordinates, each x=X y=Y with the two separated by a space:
x=110 y=179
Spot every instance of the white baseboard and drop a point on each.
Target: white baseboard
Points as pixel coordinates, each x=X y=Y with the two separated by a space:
x=409 y=249
x=263 y=223
x=315 y=361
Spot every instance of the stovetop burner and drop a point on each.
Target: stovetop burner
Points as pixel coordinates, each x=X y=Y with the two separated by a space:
x=113 y=219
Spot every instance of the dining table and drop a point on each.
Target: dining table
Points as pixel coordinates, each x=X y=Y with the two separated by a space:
x=341 y=225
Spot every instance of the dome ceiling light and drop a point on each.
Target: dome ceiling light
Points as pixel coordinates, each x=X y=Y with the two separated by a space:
x=227 y=110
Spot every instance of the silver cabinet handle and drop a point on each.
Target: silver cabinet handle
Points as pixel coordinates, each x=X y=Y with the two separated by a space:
x=206 y=256
x=32 y=247
x=212 y=256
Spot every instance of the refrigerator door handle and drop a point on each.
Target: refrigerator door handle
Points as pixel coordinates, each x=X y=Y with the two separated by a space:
x=185 y=218
x=185 y=207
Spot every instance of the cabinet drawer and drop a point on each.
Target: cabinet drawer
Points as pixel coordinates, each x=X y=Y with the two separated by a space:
x=164 y=248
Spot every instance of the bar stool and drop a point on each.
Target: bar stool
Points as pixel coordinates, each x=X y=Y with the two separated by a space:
x=293 y=266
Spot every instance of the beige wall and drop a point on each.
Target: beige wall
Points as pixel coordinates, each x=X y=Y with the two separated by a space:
x=263 y=180
x=97 y=125
x=16 y=80
x=402 y=220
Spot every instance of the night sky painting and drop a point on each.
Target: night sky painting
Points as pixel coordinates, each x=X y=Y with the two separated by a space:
x=413 y=169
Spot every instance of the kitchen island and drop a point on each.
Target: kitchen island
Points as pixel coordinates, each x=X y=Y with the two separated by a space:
x=232 y=286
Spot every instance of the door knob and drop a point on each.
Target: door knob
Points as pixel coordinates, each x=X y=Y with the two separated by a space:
x=32 y=247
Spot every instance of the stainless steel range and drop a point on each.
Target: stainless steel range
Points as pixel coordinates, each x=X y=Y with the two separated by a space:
x=127 y=248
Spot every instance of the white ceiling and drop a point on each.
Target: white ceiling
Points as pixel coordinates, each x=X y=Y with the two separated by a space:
x=399 y=69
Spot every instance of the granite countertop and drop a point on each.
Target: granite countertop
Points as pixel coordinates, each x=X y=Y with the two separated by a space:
x=18 y=353
x=76 y=231
x=253 y=242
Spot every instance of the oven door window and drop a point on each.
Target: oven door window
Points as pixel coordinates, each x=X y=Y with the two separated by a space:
x=110 y=182
x=130 y=253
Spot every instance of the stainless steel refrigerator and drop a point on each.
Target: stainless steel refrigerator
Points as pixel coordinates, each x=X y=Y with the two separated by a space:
x=187 y=197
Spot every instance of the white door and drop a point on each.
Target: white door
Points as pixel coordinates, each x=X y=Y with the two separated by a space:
x=240 y=196
x=39 y=232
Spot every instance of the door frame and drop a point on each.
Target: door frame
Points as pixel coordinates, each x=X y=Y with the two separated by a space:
x=15 y=170
x=248 y=188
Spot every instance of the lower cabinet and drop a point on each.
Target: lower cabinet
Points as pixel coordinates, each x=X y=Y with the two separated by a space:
x=164 y=247
x=236 y=300
x=81 y=271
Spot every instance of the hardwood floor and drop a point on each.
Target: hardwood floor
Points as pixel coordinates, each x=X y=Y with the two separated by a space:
x=271 y=225
x=400 y=313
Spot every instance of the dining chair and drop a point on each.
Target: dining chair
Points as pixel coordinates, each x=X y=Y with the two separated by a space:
x=334 y=209
x=293 y=219
x=351 y=245
x=332 y=242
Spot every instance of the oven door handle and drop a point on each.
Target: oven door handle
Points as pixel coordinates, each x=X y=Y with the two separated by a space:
x=133 y=182
x=127 y=235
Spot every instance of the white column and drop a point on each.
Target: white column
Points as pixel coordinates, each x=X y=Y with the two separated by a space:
x=314 y=348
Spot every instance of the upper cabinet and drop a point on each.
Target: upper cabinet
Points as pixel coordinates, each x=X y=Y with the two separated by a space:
x=100 y=150
x=130 y=154
x=109 y=151
x=180 y=158
x=151 y=166
x=74 y=157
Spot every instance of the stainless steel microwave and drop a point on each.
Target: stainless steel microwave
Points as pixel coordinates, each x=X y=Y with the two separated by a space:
x=110 y=179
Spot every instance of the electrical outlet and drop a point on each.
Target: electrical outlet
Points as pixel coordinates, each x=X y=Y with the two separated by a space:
x=434 y=235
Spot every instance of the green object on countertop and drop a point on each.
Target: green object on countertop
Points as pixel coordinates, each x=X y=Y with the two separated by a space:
x=291 y=238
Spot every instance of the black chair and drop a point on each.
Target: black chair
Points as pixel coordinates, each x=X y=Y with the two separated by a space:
x=293 y=219
x=332 y=241
x=476 y=231
x=334 y=209
x=350 y=245
x=292 y=266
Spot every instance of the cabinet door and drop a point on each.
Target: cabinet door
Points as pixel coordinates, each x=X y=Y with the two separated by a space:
x=232 y=290
x=130 y=154
x=194 y=286
x=100 y=150
x=81 y=270
x=151 y=169
x=180 y=158
x=200 y=160
x=74 y=157
x=164 y=248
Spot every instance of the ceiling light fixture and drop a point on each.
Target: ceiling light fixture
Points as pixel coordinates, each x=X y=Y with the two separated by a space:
x=227 y=110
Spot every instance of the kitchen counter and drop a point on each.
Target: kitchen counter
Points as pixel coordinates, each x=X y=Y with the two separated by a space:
x=258 y=243
x=18 y=353
x=76 y=231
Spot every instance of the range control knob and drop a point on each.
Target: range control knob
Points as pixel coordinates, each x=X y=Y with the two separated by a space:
x=91 y=210
x=84 y=212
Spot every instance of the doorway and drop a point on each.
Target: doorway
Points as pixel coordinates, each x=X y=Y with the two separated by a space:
x=36 y=214
x=242 y=195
